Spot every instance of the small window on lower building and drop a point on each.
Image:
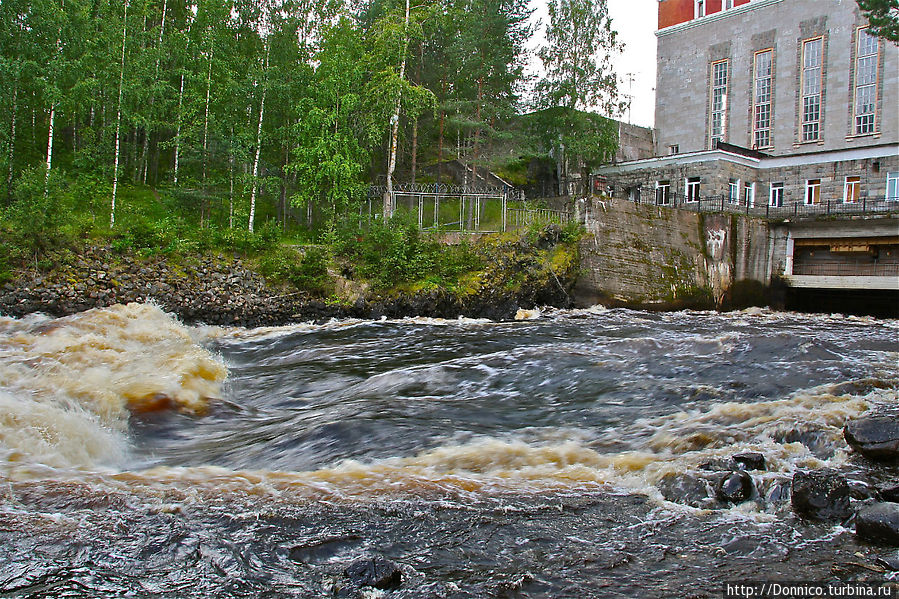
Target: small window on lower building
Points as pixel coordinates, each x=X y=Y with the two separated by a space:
x=692 y=187
x=893 y=186
x=777 y=195
x=851 y=189
x=633 y=194
x=663 y=193
x=673 y=149
x=812 y=191
x=733 y=191
x=749 y=194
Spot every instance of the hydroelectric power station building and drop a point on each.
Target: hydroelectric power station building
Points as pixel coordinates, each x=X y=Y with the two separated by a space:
x=784 y=110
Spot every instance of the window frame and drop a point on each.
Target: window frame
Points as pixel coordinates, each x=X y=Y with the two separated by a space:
x=699 y=9
x=663 y=192
x=812 y=192
x=892 y=177
x=749 y=193
x=692 y=186
x=722 y=111
x=733 y=191
x=855 y=185
x=805 y=125
x=776 y=200
x=756 y=104
x=873 y=86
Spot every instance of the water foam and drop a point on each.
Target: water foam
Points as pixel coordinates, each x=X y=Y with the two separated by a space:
x=67 y=385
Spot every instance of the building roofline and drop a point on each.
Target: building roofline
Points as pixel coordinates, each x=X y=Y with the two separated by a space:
x=878 y=151
x=716 y=16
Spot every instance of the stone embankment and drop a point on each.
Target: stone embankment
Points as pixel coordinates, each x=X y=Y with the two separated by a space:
x=227 y=291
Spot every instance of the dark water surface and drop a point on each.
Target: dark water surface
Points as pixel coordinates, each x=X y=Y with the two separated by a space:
x=525 y=459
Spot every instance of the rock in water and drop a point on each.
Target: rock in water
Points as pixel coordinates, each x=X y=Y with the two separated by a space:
x=820 y=495
x=889 y=492
x=750 y=460
x=377 y=572
x=879 y=523
x=685 y=489
x=735 y=487
x=876 y=437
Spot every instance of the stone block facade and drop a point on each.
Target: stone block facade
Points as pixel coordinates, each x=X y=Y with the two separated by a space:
x=717 y=170
x=687 y=51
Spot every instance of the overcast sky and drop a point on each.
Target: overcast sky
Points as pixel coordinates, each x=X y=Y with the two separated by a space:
x=635 y=21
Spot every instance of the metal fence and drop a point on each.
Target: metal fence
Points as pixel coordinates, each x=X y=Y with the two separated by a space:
x=522 y=218
x=452 y=208
x=723 y=203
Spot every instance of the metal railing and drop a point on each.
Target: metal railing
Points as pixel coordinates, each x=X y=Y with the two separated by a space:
x=724 y=203
x=848 y=269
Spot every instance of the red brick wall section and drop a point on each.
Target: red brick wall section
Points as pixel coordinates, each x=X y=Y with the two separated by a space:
x=674 y=12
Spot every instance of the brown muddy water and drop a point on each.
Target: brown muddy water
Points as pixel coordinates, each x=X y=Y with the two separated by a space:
x=140 y=457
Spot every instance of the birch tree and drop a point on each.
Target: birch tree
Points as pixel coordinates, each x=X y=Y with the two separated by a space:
x=578 y=77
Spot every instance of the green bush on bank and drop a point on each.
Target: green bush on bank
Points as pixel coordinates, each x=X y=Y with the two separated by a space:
x=395 y=252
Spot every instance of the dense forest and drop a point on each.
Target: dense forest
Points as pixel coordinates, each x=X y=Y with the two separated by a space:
x=249 y=110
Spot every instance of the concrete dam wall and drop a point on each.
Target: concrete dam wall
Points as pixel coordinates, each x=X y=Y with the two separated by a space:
x=653 y=256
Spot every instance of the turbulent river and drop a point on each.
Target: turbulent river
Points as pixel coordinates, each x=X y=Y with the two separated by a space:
x=141 y=457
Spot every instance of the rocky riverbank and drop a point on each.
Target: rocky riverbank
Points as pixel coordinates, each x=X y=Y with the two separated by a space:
x=227 y=290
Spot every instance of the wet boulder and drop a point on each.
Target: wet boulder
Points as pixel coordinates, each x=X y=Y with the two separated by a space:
x=820 y=495
x=879 y=523
x=735 y=487
x=686 y=489
x=876 y=437
x=749 y=460
x=889 y=492
x=378 y=572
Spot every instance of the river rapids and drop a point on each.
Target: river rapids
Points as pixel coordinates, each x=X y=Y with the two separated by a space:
x=142 y=457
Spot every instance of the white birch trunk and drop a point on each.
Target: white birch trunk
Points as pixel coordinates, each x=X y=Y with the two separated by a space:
x=206 y=117
x=12 y=140
x=231 y=181
x=118 y=125
x=49 y=149
x=394 y=128
x=146 y=147
x=180 y=104
x=258 y=144
x=178 y=128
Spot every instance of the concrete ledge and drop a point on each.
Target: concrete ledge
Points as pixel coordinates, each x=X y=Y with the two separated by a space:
x=845 y=282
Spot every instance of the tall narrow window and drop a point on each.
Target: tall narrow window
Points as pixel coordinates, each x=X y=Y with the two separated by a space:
x=812 y=61
x=761 y=109
x=851 y=189
x=718 y=111
x=663 y=193
x=728 y=4
x=865 y=82
x=813 y=191
x=693 y=189
x=777 y=195
x=893 y=186
x=699 y=8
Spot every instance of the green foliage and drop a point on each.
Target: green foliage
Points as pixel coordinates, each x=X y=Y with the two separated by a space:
x=395 y=252
x=38 y=221
x=307 y=272
x=883 y=15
